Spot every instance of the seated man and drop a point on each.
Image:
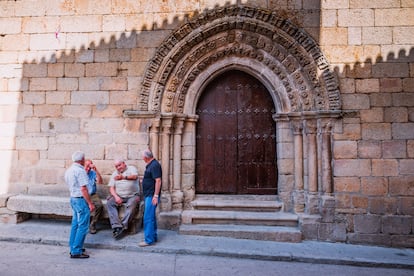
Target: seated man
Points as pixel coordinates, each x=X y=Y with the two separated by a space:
x=124 y=189
x=94 y=178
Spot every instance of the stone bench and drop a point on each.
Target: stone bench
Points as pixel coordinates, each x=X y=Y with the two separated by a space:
x=59 y=206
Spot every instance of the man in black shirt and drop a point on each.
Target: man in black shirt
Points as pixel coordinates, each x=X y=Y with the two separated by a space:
x=151 y=186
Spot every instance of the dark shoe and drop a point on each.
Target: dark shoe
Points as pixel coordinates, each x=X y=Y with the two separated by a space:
x=92 y=229
x=144 y=244
x=79 y=256
x=118 y=232
x=83 y=251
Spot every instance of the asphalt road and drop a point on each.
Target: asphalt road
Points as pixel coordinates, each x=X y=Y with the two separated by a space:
x=39 y=259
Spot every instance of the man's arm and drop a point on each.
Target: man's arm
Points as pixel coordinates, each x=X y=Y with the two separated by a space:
x=85 y=194
x=157 y=191
x=99 y=179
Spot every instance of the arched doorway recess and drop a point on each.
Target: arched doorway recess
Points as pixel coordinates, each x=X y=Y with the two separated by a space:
x=235 y=137
x=281 y=56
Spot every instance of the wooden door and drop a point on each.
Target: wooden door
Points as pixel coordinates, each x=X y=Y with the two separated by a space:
x=235 y=139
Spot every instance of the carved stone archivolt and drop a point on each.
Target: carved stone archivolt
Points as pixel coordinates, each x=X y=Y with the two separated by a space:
x=286 y=52
x=284 y=58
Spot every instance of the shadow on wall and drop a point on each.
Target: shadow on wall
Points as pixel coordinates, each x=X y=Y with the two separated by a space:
x=378 y=100
x=74 y=99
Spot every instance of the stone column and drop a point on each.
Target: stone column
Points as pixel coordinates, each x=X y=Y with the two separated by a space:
x=189 y=148
x=310 y=129
x=325 y=126
x=154 y=137
x=299 y=201
x=177 y=194
x=166 y=129
x=312 y=200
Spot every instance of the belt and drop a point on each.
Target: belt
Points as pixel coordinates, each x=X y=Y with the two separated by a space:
x=77 y=196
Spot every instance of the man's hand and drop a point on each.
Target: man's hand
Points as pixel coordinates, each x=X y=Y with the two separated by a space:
x=91 y=207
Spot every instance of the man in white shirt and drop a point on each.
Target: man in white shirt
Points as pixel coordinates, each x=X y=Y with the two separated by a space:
x=124 y=189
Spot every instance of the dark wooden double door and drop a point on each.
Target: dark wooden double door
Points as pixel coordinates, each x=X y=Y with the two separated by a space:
x=235 y=139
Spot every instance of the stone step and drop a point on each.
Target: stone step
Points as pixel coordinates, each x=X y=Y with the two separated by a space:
x=268 y=233
x=237 y=205
x=239 y=218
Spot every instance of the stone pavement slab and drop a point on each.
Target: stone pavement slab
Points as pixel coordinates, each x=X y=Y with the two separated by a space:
x=57 y=233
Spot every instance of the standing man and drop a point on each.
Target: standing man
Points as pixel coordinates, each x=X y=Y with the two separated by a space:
x=77 y=181
x=124 y=190
x=94 y=178
x=151 y=186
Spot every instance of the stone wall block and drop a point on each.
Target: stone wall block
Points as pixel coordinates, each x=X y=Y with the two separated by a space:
x=10 y=25
x=345 y=149
x=377 y=35
x=335 y=232
x=385 y=167
x=33 y=98
x=391 y=85
x=394 y=149
x=31 y=143
x=390 y=70
x=47 y=110
x=355 y=17
x=373 y=115
x=109 y=69
x=355 y=101
x=381 y=206
x=367 y=224
x=394 y=17
x=90 y=97
x=347 y=184
x=35 y=70
x=410 y=149
x=369 y=149
x=74 y=70
x=374 y=186
x=396 y=114
x=37 y=84
x=403 y=99
x=403 y=131
x=402 y=241
x=407 y=167
x=396 y=224
x=380 y=99
x=374 y=239
x=376 y=131
x=58 y=97
x=401 y=185
x=81 y=24
x=67 y=83
x=406 y=206
x=352 y=167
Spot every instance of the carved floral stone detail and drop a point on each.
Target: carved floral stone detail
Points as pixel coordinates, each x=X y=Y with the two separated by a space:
x=247 y=32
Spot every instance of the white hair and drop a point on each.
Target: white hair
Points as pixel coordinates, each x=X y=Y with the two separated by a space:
x=78 y=156
x=147 y=153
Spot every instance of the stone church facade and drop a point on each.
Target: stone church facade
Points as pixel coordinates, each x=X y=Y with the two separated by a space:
x=112 y=78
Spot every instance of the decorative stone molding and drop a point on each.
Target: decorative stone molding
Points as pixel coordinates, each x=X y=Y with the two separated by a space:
x=256 y=34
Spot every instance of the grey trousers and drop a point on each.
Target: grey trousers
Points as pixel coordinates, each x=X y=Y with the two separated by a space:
x=95 y=215
x=129 y=203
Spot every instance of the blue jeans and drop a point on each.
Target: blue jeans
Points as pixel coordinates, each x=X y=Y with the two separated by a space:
x=150 y=221
x=80 y=224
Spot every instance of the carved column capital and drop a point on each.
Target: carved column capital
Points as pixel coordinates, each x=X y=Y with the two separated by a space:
x=310 y=126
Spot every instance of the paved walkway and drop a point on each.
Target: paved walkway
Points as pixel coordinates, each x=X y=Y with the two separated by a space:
x=57 y=233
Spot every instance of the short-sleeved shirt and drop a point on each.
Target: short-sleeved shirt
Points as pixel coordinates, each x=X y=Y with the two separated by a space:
x=75 y=178
x=92 y=182
x=125 y=188
x=152 y=171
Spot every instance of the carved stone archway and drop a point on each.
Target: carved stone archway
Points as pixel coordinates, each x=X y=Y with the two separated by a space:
x=283 y=57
